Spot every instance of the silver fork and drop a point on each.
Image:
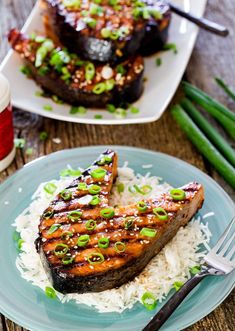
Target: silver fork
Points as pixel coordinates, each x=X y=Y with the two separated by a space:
x=219 y=261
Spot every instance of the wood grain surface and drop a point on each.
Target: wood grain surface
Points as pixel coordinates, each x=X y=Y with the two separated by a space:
x=212 y=56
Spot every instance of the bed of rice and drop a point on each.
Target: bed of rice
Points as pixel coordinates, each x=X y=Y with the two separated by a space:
x=172 y=264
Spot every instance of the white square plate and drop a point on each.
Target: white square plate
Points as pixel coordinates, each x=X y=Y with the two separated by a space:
x=160 y=86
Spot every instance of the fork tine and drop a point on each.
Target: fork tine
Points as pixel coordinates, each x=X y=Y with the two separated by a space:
x=223 y=237
x=230 y=254
x=228 y=243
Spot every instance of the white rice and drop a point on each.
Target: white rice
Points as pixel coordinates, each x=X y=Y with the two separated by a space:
x=172 y=264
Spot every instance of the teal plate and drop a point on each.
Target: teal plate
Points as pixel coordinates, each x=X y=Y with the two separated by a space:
x=28 y=306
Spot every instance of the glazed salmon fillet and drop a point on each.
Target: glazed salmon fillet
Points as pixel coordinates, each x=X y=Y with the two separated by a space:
x=86 y=245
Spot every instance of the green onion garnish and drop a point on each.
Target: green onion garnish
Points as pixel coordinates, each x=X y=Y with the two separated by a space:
x=99 y=88
x=50 y=292
x=48 y=214
x=128 y=222
x=76 y=110
x=91 y=22
x=120 y=69
x=177 y=194
x=105 y=160
x=61 y=249
x=66 y=235
x=142 y=206
x=111 y=108
x=178 y=285
x=67 y=260
x=66 y=195
x=105 y=33
x=109 y=84
x=70 y=172
x=83 y=240
x=25 y=70
x=134 y=110
x=98 y=173
x=95 y=258
x=75 y=215
x=95 y=200
x=82 y=186
x=90 y=225
x=114 y=35
x=103 y=243
x=19 y=142
x=107 y=212
x=195 y=270
x=148 y=232
x=89 y=71
x=75 y=4
x=120 y=187
x=29 y=151
x=149 y=300
x=120 y=247
x=20 y=243
x=47 y=107
x=50 y=188
x=171 y=46
x=158 y=61
x=145 y=189
x=98 y=116
x=161 y=213
x=16 y=236
x=94 y=189
x=53 y=228
x=43 y=135
x=42 y=52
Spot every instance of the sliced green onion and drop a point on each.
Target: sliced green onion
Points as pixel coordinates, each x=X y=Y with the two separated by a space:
x=61 y=249
x=134 y=110
x=78 y=110
x=149 y=300
x=142 y=206
x=110 y=83
x=82 y=186
x=57 y=100
x=75 y=4
x=111 y=108
x=177 y=194
x=114 y=35
x=29 y=151
x=171 y=46
x=66 y=235
x=120 y=247
x=105 y=33
x=99 y=88
x=58 y=58
x=67 y=260
x=95 y=258
x=98 y=116
x=91 y=22
x=20 y=243
x=148 y=232
x=50 y=188
x=42 y=52
x=145 y=189
x=70 y=173
x=90 y=225
x=178 y=285
x=75 y=215
x=66 y=195
x=131 y=189
x=129 y=222
x=95 y=200
x=158 y=62
x=16 y=236
x=43 y=135
x=25 y=70
x=83 y=240
x=50 y=292
x=161 y=213
x=103 y=243
x=47 y=107
x=107 y=212
x=89 y=71
x=48 y=214
x=19 y=142
x=195 y=270
x=120 y=69
x=94 y=189
x=53 y=228
x=105 y=160
x=98 y=173
x=120 y=187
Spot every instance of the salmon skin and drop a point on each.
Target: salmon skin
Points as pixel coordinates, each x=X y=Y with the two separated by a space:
x=88 y=246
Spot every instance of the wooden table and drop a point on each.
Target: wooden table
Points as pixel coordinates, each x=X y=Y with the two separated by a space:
x=212 y=56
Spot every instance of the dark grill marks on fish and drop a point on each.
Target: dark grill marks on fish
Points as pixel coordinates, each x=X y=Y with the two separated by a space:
x=134 y=233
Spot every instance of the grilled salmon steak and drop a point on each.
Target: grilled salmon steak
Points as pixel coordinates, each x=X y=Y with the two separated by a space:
x=88 y=246
x=74 y=80
x=107 y=30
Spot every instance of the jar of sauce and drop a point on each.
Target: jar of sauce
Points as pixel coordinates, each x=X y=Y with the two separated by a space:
x=7 y=149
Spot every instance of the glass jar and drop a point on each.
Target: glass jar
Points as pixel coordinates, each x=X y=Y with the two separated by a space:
x=7 y=149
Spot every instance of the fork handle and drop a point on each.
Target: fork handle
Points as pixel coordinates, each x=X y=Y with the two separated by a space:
x=165 y=312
